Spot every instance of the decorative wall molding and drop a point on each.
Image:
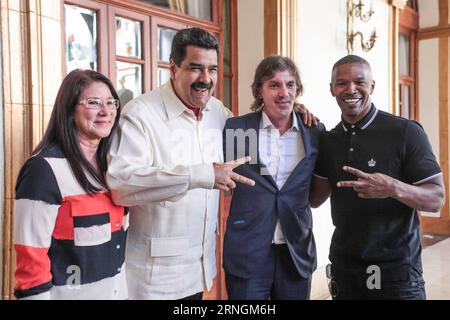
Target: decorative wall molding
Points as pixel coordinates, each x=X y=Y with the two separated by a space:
x=31 y=76
x=280 y=25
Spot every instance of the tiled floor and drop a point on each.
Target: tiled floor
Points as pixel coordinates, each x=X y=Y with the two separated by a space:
x=436 y=268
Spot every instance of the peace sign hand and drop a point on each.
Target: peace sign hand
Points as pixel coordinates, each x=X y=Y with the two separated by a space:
x=369 y=185
x=225 y=179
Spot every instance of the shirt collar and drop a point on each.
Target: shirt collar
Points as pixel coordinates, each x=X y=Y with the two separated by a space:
x=267 y=124
x=364 y=122
x=174 y=106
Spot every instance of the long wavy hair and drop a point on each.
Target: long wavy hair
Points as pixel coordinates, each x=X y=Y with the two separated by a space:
x=62 y=130
x=266 y=70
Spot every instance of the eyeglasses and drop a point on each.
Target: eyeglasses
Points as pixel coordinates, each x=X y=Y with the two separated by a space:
x=332 y=285
x=97 y=103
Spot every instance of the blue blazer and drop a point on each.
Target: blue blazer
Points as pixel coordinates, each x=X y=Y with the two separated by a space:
x=254 y=210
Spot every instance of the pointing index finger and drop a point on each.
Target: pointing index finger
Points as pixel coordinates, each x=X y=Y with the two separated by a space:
x=348 y=184
x=355 y=172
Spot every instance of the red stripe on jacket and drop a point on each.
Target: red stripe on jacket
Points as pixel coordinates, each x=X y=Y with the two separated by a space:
x=33 y=267
x=85 y=205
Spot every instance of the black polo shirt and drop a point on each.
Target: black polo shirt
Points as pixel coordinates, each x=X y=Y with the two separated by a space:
x=382 y=232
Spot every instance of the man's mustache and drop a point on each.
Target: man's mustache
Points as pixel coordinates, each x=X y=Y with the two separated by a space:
x=202 y=85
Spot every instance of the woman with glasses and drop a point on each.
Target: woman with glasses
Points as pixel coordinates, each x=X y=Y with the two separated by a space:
x=69 y=236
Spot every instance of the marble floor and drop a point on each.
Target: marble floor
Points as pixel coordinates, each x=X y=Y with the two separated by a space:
x=436 y=270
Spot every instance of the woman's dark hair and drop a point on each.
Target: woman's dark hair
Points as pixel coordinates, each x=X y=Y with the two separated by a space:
x=194 y=37
x=266 y=70
x=61 y=128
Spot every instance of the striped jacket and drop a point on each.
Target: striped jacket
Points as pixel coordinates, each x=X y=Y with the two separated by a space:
x=69 y=244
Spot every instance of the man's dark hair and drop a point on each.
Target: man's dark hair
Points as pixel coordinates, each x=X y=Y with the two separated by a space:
x=351 y=58
x=266 y=70
x=62 y=130
x=194 y=37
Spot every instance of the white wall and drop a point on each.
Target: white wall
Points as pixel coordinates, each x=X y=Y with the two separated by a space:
x=250 y=48
x=428 y=13
x=322 y=41
x=428 y=78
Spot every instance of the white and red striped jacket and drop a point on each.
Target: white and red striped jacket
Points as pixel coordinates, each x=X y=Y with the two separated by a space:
x=69 y=244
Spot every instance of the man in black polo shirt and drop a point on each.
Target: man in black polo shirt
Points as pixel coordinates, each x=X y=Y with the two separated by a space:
x=379 y=170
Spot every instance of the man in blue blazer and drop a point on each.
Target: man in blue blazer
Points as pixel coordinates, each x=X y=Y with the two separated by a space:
x=269 y=248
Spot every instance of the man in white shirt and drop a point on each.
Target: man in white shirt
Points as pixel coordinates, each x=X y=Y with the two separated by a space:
x=269 y=249
x=166 y=165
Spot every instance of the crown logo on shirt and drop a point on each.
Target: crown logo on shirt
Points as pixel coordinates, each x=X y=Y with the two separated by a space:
x=372 y=163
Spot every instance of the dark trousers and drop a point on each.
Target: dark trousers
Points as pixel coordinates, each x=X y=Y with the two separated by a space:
x=278 y=281
x=348 y=286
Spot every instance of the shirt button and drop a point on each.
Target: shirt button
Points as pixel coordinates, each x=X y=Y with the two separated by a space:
x=117 y=224
x=115 y=291
x=353 y=125
x=118 y=246
x=353 y=133
x=118 y=269
x=351 y=149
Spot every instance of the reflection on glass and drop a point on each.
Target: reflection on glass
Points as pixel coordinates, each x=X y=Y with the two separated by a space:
x=403 y=54
x=129 y=81
x=80 y=26
x=163 y=76
x=406 y=106
x=226 y=36
x=227 y=92
x=165 y=37
x=128 y=38
x=195 y=8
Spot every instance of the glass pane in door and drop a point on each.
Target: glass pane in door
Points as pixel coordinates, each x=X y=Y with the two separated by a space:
x=80 y=25
x=195 y=8
x=128 y=38
x=227 y=92
x=403 y=54
x=406 y=103
x=129 y=81
x=163 y=76
x=165 y=37
x=226 y=36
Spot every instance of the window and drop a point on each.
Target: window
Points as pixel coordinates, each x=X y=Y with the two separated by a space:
x=129 y=53
x=131 y=43
x=226 y=52
x=195 y=8
x=81 y=37
x=407 y=51
x=164 y=33
x=406 y=75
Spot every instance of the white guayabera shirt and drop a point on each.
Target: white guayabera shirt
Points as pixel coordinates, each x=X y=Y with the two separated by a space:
x=161 y=167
